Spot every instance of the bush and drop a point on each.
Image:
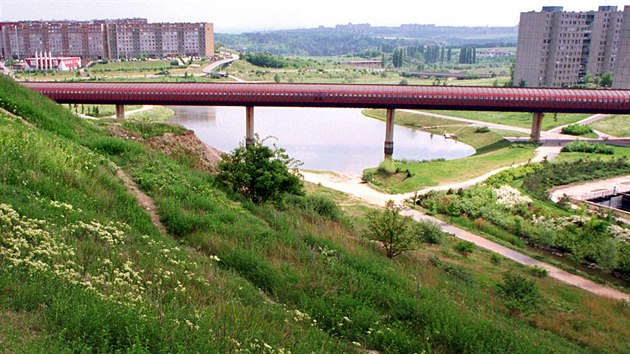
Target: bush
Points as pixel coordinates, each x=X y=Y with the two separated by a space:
x=396 y=232
x=429 y=232
x=539 y=272
x=388 y=166
x=577 y=129
x=260 y=173
x=319 y=204
x=495 y=259
x=483 y=129
x=464 y=247
x=588 y=147
x=520 y=293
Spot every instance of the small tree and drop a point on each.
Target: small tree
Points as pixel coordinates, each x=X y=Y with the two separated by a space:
x=396 y=232
x=606 y=80
x=277 y=78
x=260 y=173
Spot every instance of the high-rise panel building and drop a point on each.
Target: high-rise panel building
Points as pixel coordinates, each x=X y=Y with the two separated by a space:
x=558 y=48
x=109 y=39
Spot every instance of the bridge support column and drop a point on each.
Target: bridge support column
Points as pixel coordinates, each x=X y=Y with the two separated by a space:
x=249 y=129
x=389 y=134
x=120 y=111
x=536 y=125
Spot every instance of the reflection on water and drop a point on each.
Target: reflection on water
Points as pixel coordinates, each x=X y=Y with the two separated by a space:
x=327 y=139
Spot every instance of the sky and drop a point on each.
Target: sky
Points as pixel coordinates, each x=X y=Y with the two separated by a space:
x=242 y=15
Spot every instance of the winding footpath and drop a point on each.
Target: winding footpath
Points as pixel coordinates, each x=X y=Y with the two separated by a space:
x=353 y=185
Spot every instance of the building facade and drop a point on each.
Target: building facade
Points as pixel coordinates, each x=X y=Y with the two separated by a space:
x=106 y=39
x=558 y=49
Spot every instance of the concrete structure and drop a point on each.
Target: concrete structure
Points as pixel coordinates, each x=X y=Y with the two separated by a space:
x=558 y=49
x=389 y=97
x=45 y=61
x=621 y=74
x=108 y=39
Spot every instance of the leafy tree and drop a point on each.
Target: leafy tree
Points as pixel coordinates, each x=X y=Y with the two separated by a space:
x=396 y=232
x=277 y=78
x=260 y=173
x=606 y=80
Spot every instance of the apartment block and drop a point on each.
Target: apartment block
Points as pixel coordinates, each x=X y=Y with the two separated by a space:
x=558 y=48
x=109 y=39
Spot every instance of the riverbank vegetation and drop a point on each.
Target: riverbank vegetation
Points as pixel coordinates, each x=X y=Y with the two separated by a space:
x=513 y=206
x=407 y=176
x=84 y=269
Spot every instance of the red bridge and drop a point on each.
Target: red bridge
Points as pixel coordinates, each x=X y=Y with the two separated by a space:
x=389 y=97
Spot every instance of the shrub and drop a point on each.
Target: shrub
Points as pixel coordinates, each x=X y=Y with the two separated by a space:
x=429 y=232
x=577 y=129
x=464 y=247
x=521 y=294
x=260 y=173
x=539 y=272
x=483 y=129
x=495 y=259
x=394 y=231
x=388 y=166
x=588 y=147
x=319 y=204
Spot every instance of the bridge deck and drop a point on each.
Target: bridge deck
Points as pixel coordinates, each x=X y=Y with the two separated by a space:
x=351 y=96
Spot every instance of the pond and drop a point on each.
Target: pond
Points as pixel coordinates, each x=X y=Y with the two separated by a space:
x=324 y=139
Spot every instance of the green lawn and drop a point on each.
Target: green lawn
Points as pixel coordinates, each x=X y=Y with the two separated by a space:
x=572 y=156
x=517 y=119
x=618 y=125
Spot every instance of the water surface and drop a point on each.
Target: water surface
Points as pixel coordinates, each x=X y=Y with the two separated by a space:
x=326 y=139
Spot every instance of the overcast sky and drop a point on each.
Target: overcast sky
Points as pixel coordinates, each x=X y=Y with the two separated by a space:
x=243 y=15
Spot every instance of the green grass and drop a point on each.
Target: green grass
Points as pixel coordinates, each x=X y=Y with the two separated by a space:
x=618 y=125
x=572 y=156
x=155 y=114
x=230 y=276
x=517 y=119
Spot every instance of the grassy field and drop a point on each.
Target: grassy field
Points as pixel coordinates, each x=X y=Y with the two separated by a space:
x=155 y=114
x=516 y=119
x=332 y=71
x=492 y=152
x=93 y=274
x=618 y=126
x=102 y=109
x=618 y=152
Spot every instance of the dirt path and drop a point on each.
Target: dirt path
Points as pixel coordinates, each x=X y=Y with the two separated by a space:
x=144 y=200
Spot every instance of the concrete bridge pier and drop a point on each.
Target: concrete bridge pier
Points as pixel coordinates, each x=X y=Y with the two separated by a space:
x=249 y=126
x=536 y=126
x=120 y=111
x=389 y=134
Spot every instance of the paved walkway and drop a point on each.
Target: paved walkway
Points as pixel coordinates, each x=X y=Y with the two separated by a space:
x=208 y=69
x=593 y=189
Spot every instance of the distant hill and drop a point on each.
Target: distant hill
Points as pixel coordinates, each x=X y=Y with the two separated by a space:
x=353 y=39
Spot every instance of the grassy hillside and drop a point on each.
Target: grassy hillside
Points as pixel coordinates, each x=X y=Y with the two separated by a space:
x=83 y=269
